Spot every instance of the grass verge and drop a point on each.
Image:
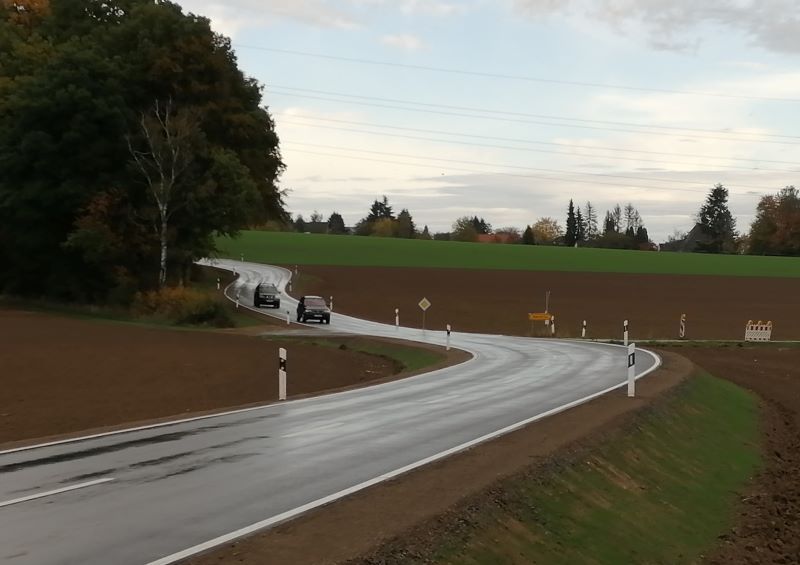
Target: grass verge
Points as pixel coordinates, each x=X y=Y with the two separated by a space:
x=406 y=358
x=660 y=492
x=313 y=249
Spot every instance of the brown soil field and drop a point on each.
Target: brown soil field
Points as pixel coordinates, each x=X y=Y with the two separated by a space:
x=65 y=375
x=768 y=521
x=499 y=301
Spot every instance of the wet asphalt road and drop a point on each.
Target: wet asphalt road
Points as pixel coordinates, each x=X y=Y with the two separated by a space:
x=155 y=495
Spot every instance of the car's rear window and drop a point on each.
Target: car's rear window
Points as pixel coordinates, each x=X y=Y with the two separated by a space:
x=315 y=303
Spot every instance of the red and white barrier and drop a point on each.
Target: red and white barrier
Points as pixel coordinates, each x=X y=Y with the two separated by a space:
x=760 y=331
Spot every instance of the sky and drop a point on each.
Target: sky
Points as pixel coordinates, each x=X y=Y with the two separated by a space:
x=507 y=109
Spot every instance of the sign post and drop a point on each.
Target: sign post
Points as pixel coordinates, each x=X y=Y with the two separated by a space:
x=282 y=374
x=583 y=330
x=682 y=328
x=625 y=333
x=397 y=318
x=632 y=370
x=424 y=304
x=448 y=337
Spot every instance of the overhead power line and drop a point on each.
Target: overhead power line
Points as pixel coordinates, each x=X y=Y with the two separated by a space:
x=462 y=169
x=528 y=115
x=518 y=167
x=292 y=121
x=527 y=121
x=504 y=76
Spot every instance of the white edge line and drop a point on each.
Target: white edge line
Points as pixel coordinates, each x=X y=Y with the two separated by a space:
x=54 y=492
x=386 y=476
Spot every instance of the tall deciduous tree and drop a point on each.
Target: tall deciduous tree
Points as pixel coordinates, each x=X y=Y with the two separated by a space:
x=75 y=78
x=168 y=148
x=546 y=231
x=776 y=228
x=717 y=222
x=464 y=229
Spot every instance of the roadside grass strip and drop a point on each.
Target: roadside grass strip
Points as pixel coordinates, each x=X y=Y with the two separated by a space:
x=315 y=249
x=659 y=492
x=406 y=358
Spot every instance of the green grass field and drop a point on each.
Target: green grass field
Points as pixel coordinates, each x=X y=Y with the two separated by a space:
x=660 y=493
x=310 y=249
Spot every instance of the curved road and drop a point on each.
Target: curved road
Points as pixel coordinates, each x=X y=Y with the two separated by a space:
x=156 y=495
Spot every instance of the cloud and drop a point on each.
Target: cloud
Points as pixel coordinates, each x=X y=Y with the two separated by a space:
x=432 y=7
x=406 y=42
x=674 y=24
x=439 y=8
x=232 y=16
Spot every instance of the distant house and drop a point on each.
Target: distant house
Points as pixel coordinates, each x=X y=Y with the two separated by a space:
x=316 y=227
x=689 y=243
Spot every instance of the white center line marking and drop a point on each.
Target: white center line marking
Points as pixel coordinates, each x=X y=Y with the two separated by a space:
x=53 y=492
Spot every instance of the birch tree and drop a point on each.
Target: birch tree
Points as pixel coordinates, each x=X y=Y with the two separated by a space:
x=169 y=138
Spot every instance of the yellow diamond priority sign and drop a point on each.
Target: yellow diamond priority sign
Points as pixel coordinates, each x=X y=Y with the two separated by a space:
x=424 y=304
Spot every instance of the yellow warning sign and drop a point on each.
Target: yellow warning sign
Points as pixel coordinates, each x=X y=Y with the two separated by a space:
x=539 y=316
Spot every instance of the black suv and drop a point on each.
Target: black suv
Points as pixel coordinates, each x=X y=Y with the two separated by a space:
x=267 y=294
x=313 y=308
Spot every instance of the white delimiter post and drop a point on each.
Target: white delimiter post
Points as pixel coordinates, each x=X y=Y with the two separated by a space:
x=583 y=330
x=219 y=283
x=331 y=303
x=553 y=326
x=282 y=374
x=448 y=337
x=625 y=333
x=632 y=370
x=397 y=318
x=288 y=318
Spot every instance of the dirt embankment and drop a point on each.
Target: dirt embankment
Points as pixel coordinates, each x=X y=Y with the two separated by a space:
x=499 y=301
x=65 y=375
x=767 y=526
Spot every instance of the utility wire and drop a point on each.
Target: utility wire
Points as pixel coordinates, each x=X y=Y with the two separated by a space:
x=527 y=115
x=518 y=167
x=520 y=175
x=536 y=122
x=523 y=149
x=555 y=143
x=513 y=77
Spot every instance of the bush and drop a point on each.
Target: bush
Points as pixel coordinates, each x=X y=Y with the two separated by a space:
x=182 y=306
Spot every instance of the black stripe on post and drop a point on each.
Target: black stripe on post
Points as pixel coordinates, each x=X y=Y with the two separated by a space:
x=631 y=360
x=282 y=364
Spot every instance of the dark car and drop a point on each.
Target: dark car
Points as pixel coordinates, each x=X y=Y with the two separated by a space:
x=267 y=294
x=313 y=308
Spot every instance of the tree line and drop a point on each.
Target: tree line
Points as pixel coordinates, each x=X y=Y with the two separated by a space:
x=129 y=139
